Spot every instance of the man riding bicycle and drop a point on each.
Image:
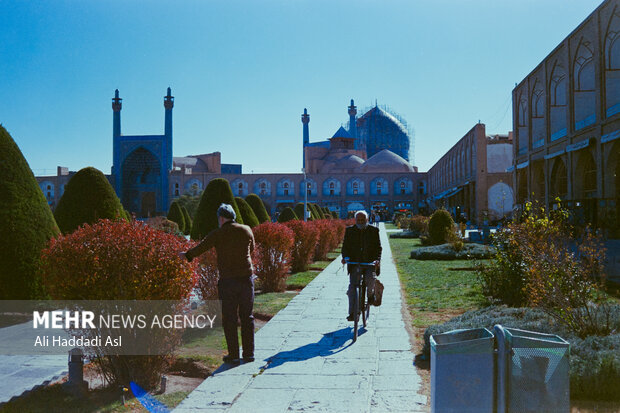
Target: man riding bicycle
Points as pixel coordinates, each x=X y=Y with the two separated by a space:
x=361 y=244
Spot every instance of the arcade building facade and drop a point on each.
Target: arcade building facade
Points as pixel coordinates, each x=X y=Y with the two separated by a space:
x=566 y=119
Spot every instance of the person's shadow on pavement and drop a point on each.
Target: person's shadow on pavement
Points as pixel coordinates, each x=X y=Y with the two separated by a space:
x=330 y=343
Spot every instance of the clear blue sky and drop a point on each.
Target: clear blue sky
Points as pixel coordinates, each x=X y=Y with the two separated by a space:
x=243 y=71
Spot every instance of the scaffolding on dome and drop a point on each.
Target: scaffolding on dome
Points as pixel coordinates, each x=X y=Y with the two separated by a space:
x=382 y=128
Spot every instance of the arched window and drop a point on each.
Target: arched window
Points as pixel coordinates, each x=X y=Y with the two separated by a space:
x=584 y=85
x=557 y=105
x=538 y=115
x=612 y=64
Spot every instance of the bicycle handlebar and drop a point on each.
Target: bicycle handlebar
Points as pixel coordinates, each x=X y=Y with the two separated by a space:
x=361 y=263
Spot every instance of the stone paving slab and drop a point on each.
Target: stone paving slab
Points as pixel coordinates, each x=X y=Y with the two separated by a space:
x=306 y=360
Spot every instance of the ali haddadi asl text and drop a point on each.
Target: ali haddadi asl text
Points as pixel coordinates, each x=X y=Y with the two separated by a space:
x=59 y=341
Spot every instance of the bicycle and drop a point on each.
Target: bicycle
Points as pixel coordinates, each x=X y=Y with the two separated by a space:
x=361 y=305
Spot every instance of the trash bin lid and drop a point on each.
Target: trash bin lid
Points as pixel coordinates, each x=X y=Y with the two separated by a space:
x=463 y=341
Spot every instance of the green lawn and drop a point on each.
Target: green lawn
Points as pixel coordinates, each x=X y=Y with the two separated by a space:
x=434 y=288
x=389 y=225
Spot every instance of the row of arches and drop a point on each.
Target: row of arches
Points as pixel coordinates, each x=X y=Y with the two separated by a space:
x=456 y=165
x=543 y=111
x=329 y=187
x=555 y=180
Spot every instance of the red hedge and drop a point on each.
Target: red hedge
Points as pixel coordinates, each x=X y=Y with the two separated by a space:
x=117 y=260
x=306 y=238
x=272 y=255
x=331 y=233
x=208 y=275
x=120 y=260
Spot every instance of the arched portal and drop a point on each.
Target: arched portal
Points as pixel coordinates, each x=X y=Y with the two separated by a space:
x=141 y=182
x=558 y=181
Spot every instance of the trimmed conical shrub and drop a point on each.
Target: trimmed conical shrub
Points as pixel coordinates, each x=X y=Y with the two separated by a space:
x=216 y=193
x=313 y=211
x=440 y=227
x=247 y=213
x=319 y=211
x=176 y=215
x=258 y=206
x=188 y=220
x=26 y=224
x=88 y=197
x=299 y=211
x=287 y=215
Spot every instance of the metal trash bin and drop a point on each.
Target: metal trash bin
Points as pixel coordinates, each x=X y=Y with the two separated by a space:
x=532 y=372
x=462 y=371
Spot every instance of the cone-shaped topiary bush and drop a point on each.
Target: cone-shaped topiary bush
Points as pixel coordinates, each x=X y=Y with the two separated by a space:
x=216 y=193
x=258 y=206
x=26 y=224
x=287 y=215
x=176 y=215
x=299 y=211
x=88 y=198
x=440 y=227
x=315 y=213
x=247 y=213
x=188 y=220
x=319 y=211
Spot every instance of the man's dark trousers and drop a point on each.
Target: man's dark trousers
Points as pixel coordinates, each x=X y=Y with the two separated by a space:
x=237 y=295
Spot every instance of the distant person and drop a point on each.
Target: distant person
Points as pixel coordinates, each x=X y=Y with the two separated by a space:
x=234 y=244
x=361 y=244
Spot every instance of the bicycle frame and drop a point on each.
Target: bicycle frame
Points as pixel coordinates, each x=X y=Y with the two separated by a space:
x=361 y=304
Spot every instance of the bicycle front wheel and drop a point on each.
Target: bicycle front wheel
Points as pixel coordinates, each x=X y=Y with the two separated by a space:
x=356 y=316
x=364 y=305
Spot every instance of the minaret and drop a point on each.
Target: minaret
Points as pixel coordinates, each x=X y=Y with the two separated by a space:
x=168 y=104
x=117 y=105
x=305 y=119
x=352 y=126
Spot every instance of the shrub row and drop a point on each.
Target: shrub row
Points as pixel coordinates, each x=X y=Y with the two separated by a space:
x=281 y=248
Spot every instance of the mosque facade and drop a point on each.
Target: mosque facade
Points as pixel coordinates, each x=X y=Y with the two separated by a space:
x=364 y=167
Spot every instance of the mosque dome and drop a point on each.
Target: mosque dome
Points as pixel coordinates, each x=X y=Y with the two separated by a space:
x=386 y=161
x=346 y=164
x=378 y=129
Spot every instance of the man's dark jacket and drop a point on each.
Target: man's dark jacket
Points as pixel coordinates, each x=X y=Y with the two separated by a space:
x=361 y=245
x=234 y=244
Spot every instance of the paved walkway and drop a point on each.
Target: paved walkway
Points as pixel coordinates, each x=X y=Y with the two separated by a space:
x=306 y=361
x=21 y=373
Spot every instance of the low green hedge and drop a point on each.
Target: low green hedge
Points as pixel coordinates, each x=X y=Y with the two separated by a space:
x=447 y=252
x=594 y=361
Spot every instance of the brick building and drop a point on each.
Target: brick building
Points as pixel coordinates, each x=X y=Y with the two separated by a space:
x=566 y=117
x=470 y=180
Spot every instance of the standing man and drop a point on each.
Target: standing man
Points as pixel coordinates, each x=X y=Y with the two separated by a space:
x=361 y=244
x=234 y=244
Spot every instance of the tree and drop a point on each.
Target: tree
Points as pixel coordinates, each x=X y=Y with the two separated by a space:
x=440 y=227
x=216 y=193
x=299 y=210
x=258 y=206
x=287 y=215
x=314 y=212
x=26 y=224
x=247 y=213
x=190 y=202
x=176 y=215
x=319 y=211
x=88 y=198
x=188 y=220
